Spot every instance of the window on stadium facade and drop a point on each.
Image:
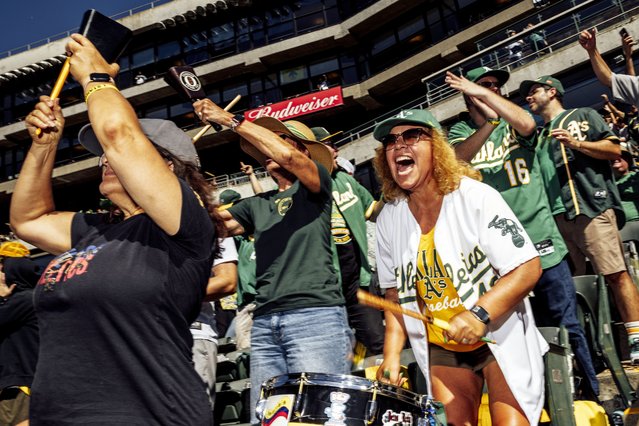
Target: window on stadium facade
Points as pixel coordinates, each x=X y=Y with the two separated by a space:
x=396 y=41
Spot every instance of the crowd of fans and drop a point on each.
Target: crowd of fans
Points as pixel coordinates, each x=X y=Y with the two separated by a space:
x=472 y=220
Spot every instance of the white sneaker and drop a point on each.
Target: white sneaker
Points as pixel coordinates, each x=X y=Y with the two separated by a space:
x=634 y=350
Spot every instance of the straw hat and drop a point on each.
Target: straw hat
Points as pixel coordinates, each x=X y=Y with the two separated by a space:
x=298 y=131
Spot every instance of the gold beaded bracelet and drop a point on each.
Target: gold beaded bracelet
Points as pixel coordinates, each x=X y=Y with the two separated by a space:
x=97 y=88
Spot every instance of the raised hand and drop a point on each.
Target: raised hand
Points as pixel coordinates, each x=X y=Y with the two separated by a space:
x=247 y=169
x=626 y=44
x=85 y=60
x=464 y=85
x=209 y=112
x=588 y=39
x=47 y=117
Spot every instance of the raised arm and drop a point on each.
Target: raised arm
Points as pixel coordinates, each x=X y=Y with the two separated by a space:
x=588 y=40
x=231 y=226
x=267 y=142
x=223 y=281
x=32 y=214
x=137 y=164
x=516 y=116
x=612 y=108
x=626 y=45
x=247 y=169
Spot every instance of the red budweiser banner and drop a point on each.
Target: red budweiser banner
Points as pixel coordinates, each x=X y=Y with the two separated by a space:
x=316 y=101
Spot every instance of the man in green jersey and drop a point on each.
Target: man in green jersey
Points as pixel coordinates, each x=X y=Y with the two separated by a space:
x=574 y=150
x=352 y=206
x=498 y=140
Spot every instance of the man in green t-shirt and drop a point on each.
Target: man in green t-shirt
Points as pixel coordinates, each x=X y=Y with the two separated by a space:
x=574 y=150
x=498 y=139
x=352 y=206
x=300 y=323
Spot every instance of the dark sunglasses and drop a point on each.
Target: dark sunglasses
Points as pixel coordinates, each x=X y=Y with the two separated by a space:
x=410 y=137
x=490 y=84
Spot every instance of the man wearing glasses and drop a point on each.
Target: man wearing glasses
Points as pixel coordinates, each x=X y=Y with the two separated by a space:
x=498 y=140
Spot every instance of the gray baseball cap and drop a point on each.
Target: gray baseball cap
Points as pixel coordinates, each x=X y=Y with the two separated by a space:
x=163 y=133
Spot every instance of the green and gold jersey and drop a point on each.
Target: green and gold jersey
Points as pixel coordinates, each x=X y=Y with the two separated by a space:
x=352 y=205
x=579 y=182
x=508 y=163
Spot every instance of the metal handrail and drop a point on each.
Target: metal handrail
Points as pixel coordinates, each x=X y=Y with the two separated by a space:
x=433 y=87
x=234 y=179
x=436 y=93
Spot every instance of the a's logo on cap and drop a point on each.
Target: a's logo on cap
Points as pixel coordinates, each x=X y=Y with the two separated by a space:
x=190 y=81
x=404 y=114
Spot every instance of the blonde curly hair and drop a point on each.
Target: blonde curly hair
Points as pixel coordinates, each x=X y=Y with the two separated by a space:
x=448 y=169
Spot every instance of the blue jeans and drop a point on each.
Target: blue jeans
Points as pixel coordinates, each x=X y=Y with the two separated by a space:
x=307 y=340
x=555 y=304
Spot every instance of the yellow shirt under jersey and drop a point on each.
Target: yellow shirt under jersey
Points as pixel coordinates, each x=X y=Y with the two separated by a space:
x=436 y=290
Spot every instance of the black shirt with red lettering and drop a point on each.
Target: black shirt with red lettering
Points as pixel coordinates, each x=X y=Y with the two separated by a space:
x=114 y=314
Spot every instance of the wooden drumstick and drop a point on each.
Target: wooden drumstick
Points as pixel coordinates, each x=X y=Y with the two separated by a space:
x=369 y=299
x=57 y=88
x=208 y=126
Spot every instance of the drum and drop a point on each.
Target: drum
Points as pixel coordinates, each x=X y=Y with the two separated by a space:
x=336 y=400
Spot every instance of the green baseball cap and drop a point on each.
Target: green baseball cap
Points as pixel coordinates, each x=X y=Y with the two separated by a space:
x=420 y=117
x=229 y=196
x=477 y=73
x=544 y=80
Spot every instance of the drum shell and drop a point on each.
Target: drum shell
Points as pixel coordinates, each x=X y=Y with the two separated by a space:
x=343 y=399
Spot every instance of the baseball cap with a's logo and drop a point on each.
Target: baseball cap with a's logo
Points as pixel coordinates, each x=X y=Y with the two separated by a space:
x=419 y=117
x=544 y=80
x=477 y=73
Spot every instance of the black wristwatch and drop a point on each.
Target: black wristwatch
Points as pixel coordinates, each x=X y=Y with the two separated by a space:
x=100 y=77
x=237 y=120
x=480 y=313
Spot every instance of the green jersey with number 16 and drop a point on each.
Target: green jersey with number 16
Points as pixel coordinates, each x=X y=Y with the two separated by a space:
x=507 y=162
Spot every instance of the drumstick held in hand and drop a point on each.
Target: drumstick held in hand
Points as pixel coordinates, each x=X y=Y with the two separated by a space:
x=369 y=299
x=57 y=88
x=208 y=126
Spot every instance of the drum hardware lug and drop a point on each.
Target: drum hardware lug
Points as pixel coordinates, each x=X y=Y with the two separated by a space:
x=259 y=409
x=371 y=412
x=299 y=405
x=299 y=399
x=371 y=406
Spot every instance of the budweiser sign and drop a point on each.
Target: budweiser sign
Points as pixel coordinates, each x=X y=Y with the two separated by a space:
x=316 y=101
